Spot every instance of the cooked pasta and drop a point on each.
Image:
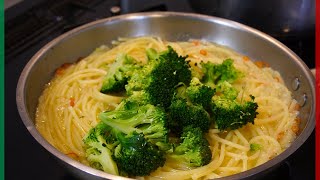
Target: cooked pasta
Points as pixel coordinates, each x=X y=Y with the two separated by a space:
x=71 y=101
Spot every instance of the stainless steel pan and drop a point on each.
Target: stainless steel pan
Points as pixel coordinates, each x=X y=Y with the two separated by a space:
x=175 y=27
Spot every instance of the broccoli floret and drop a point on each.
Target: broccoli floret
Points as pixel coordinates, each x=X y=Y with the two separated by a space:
x=137 y=138
x=136 y=156
x=99 y=145
x=177 y=66
x=199 y=93
x=183 y=113
x=152 y=54
x=159 y=77
x=137 y=98
x=119 y=73
x=194 y=150
x=226 y=90
x=149 y=120
x=113 y=151
x=230 y=114
x=217 y=73
x=196 y=70
x=225 y=110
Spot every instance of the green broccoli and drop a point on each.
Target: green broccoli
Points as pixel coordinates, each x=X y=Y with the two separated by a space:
x=159 y=77
x=143 y=136
x=152 y=54
x=119 y=73
x=136 y=156
x=217 y=73
x=194 y=150
x=149 y=120
x=115 y=152
x=199 y=93
x=196 y=70
x=136 y=99
x=99 y=145
x=184 y=113
x=226 y=90
x=230 y=114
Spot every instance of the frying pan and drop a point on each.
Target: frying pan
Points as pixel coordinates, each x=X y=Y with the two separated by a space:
x=171 y=26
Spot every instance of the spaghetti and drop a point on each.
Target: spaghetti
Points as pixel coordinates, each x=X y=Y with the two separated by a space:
x=70 y=103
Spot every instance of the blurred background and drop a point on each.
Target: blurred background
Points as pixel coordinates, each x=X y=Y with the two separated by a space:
x=30 y=24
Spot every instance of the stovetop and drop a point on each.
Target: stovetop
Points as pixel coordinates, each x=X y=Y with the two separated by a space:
x=31 y=24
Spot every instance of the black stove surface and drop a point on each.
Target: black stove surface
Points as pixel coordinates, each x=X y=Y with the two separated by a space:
x=29 y=25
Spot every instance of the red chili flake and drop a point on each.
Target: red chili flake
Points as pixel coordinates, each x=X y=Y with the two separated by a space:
x=261 y=64
x=203 y=52
x=72 y=155
x=195 y=42
x=246 y=58
x=72 y=102
x=61 y=69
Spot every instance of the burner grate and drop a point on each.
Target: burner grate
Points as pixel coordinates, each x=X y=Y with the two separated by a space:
x=50 y=19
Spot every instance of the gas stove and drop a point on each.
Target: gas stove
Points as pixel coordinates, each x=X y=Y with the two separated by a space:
x=29 y=25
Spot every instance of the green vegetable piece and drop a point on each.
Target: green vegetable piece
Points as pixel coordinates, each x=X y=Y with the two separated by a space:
x=194 y=150
x=184 y=113
x=199 y=93
x=118 y=74
x=149 y=120
x=152 y=54
x=216 y=73
x=136 y=156
x=255 y=147
x=230 y=114
x=227 y=90
x=159 y=77
x=99 y=146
